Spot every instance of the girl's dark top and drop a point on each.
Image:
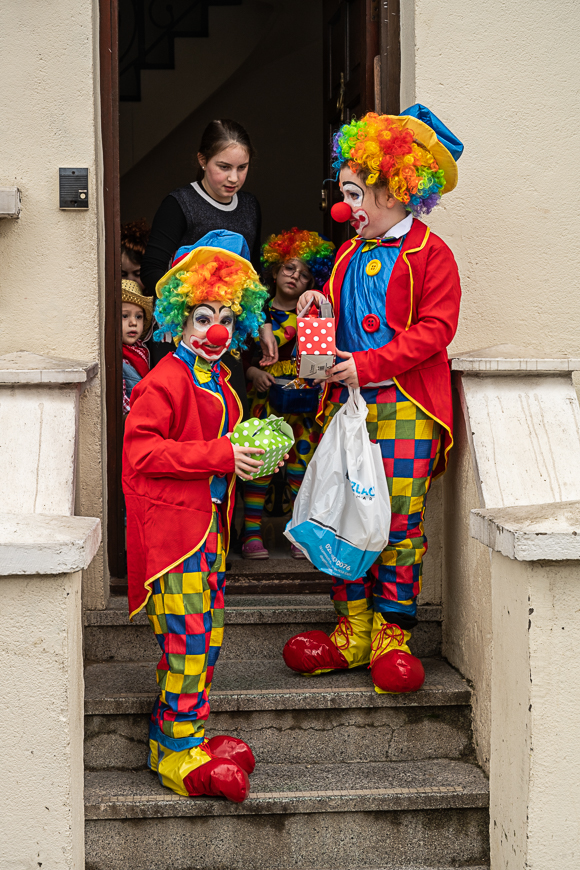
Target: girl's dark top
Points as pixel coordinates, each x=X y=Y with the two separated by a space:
x=184 y=217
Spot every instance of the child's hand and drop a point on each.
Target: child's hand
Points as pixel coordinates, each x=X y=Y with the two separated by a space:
x=308 y=297
x=281 y=463
x=245 y=465
x=269 y=345
x=261 y=380
x=345 y=372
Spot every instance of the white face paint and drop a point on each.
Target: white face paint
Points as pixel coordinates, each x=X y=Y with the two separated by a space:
x=201 y=319
x=354 y=195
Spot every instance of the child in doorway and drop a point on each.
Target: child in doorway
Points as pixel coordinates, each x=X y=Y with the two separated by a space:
x=137 y=317
x=395 y=291
x=294 y=261
x=134 y=238
x=179 y=472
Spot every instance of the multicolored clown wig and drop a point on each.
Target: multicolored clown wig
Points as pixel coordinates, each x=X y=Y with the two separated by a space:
x=211 y=274
x=384 y=151
x=315 y=252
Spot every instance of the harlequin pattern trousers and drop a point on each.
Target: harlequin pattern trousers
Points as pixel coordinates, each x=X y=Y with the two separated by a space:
x=410 y=442
x=186 y=612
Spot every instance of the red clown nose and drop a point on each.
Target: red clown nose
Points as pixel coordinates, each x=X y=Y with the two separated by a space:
x=341 y=212
x=217 y=335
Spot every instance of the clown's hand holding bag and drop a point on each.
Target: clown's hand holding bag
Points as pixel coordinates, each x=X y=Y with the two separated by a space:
x=342 y=514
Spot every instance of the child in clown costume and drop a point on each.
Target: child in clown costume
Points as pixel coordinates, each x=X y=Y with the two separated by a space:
x=395 y=291
x=179 y=471
x=294 y=261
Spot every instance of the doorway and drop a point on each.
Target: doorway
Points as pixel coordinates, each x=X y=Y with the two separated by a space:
x=290 y=71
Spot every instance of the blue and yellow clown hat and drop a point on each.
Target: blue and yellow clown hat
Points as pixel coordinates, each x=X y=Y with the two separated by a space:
x=432 y=133
x=221 y=242
x=216 y=268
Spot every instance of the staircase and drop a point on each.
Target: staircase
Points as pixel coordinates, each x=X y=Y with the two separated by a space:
x=345 y=778
x=147 y=33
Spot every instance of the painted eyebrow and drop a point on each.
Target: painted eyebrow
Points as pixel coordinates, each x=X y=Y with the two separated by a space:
x=226 y=308
x=203 y=305
x=352 y=184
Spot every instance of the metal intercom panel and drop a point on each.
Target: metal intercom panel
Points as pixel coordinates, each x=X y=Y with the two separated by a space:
x=73 y=188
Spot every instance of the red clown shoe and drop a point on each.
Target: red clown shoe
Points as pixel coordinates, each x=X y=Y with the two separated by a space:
x=218 y=777
x=393 y=667
x=222 y=746
x=349 y=645
x=200 y=771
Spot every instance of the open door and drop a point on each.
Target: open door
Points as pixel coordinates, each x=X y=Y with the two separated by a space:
x=108 y=38
x=358 y=42
x=361 y=74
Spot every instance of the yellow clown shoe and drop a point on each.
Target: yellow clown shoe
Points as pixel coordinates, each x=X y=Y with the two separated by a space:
x=198 y=771
x=349 y=646
x=393 y=667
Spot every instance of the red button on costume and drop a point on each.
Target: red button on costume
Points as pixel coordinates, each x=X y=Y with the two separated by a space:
x=370 y=323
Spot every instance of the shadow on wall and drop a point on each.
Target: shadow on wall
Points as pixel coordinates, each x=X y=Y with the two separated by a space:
x=276 y=93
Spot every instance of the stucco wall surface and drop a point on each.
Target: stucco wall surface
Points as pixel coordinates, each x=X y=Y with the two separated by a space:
x=466 y=584
x=49 y=259
x=535 y=766
x=41 y=741
x=504 y=77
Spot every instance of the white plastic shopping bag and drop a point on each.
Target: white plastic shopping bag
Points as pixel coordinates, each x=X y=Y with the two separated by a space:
x=342 y=514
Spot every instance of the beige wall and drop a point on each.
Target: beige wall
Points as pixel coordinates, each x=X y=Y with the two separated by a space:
x=535 y=768
x=504 y=77
x=49 y=259
x=41 y=741
x=466 y=586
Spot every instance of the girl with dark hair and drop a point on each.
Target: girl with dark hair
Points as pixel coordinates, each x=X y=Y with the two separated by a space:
x=214 y=202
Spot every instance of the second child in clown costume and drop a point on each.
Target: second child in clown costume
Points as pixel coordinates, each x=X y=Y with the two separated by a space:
x=395 y=292
x=294 y=261
x=179 y=471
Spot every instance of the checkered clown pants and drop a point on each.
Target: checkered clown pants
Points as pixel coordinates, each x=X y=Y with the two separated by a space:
x=186 y=612
x=410 y=443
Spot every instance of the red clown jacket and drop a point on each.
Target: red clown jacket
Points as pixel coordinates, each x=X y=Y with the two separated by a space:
x=171 y=450
x=422 y=306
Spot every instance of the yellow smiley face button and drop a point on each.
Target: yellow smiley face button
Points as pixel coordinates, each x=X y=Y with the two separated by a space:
x=374 y=267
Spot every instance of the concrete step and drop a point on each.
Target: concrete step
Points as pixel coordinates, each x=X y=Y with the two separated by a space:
x=430 y=813
x=257 y=627
x=283 y=716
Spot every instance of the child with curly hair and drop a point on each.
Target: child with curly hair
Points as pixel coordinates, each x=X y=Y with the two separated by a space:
x=395 y=292
x=179 y=472
x=294 y=261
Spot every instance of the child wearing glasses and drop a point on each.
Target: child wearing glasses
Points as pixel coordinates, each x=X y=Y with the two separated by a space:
x=293 y=262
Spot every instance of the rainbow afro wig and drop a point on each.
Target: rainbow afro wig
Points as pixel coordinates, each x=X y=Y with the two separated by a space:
x=384 y=151
x=209 y=274
x=315 y=252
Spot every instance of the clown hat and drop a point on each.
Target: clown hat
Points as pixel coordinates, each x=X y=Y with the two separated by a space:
x=222 y=242
x=433 y=135
x=217 y=267
x=131 y=292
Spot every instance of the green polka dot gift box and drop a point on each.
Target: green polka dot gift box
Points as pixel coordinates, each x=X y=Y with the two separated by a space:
x=272 y=434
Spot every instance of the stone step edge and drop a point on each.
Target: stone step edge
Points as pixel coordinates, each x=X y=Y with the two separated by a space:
x=136 y=806
x=139 y=703
x=247 y=614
